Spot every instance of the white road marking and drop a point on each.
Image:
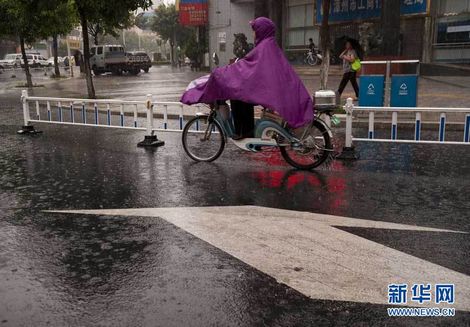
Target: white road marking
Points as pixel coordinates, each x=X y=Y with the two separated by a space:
x=334 y=264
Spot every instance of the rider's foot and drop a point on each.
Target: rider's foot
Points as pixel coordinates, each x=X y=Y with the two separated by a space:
x=236 y=137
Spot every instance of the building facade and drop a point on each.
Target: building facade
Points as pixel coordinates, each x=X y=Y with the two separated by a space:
x=226 y=18
x=299 y=24
x=431 y=30
x=451 y=31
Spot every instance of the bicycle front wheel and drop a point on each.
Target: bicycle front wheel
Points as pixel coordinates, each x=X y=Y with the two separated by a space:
x=203 y=139
x=312 y=60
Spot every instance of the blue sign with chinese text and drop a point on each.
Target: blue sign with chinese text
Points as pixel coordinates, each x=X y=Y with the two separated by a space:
x=349 y=10
x=420 y=293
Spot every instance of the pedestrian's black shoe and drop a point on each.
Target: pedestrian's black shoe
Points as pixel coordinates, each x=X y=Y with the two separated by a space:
x=236 y=137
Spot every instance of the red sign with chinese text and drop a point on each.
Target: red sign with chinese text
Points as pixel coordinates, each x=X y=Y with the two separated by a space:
x=194 y=12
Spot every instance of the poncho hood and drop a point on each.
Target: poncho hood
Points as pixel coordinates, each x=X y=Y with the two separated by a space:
x=264 y=77
x=264 y=28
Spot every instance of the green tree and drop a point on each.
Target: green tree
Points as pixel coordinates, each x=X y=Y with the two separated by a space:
x=95 y=30
x=195 y=50
x=115 y=15
x=30 y=20
x=166 y=24
x=19 y=19
x=144 y=21
x=102 y=28
x=59 y=18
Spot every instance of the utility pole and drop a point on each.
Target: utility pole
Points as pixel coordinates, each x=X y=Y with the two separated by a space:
x=391 y=27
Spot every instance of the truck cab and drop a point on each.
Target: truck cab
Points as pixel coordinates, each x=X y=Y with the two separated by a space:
x=107 y=58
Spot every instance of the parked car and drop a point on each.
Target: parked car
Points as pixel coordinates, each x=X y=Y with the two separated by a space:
x=60 y=60
x=11 y=60
x=39 y=61
x=36 y=60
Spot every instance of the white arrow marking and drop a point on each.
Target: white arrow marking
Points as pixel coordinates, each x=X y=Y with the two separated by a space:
x=335 y=265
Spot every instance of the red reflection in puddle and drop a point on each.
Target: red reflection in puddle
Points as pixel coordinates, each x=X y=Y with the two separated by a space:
x=270 y=179
x=294 y=180
x=331 y=188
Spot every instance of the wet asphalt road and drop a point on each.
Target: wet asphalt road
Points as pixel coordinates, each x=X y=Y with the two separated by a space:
x=75 y=270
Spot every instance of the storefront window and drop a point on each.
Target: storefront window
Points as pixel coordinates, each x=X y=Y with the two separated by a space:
x=454 y=6
x=300 y=25
x=456 y=30
x=453 y=32
x=296 y=16
x=296 y=38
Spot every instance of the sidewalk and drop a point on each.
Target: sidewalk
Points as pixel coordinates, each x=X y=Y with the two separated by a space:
x=168 y=85
x=443 y=92
x=436 y=91
x=305 y=70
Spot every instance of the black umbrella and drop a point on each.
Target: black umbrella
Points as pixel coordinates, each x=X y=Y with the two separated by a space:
x=356 y=46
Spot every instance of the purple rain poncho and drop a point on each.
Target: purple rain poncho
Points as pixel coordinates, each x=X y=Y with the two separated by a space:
x=263 y=77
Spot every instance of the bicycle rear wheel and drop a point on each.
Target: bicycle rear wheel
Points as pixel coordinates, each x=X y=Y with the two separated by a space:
x=203 y=139
x=314 y=150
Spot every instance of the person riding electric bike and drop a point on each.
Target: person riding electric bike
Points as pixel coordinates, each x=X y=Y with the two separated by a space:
x=264 y=77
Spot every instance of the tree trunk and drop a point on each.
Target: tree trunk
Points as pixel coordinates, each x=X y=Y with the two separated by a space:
x=94 y=30
x=391 y=27
x=172 y=45
x=325 y=44
x=29 y=81
x=172 y=53
x=55 y=54
x=86 y=56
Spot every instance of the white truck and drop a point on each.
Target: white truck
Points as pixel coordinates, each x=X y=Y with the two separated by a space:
x=114 y=59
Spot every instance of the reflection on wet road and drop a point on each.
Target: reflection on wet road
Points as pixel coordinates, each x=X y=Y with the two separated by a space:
x=86 y=270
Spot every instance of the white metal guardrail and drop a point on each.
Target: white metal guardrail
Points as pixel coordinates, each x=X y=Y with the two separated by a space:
x=100 y=113
x=441 y=135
